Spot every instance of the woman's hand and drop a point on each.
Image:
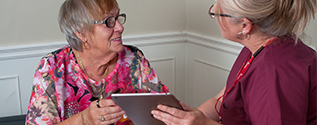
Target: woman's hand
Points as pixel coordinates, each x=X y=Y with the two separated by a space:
x=108 y=113
x=173 y=116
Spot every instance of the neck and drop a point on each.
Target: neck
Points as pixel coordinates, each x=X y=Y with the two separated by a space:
x=255 y=44
x=94 y=65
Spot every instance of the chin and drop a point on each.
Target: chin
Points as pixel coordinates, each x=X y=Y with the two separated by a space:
x=228 y=38
x=225 y=36
x=119 y=48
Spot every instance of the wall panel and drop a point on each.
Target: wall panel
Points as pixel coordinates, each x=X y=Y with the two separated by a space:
x=207 y=81
x=209 y=61
x=165 y=69
x=169 y=61
x=10 y=103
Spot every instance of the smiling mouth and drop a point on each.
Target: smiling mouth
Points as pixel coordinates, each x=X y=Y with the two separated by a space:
x=117 y=39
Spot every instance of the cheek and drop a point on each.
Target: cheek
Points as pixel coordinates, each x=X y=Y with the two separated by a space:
x=222 y=27
x=102 y=34
x=226 y=29
x=108 y=33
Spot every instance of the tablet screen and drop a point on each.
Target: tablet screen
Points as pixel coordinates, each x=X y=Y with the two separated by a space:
x=138 y=106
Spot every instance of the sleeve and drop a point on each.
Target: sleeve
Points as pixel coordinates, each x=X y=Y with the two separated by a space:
x=312 y=107
x=41 y=109
x=148 y=80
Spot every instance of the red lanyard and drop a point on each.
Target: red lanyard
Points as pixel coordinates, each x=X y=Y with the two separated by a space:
x=241 y=72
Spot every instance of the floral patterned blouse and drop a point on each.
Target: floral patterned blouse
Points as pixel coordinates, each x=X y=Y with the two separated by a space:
x=61 y=89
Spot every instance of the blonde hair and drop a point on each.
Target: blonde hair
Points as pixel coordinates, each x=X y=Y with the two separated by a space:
x=273 y=17
x=78 y=15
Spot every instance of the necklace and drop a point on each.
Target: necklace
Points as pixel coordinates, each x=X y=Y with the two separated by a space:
x=102 y=89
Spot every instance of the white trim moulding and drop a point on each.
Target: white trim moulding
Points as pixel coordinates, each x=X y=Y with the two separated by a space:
x=40 y=50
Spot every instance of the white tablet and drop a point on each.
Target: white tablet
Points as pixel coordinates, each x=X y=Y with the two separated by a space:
x=138 y=106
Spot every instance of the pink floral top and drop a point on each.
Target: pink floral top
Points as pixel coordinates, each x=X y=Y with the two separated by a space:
x=61 y=88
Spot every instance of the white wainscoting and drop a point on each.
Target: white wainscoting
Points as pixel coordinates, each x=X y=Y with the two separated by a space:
x=19 y=63
x=194 y=67
x=11 y=98
x=209 y=61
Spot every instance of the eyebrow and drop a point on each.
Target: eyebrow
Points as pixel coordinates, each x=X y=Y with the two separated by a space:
x=118 y=11
x=110 y=14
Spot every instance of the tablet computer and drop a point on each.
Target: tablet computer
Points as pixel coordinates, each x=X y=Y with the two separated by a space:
x=138 y=106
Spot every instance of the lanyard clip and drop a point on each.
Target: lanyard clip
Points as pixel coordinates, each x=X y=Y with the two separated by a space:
x=220 y=120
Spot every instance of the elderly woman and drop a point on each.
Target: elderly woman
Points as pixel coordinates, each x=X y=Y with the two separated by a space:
x=73 y=84
x=273 y=80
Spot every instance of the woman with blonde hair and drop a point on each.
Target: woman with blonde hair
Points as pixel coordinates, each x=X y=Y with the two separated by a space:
x=72 y=85
x=273 y=80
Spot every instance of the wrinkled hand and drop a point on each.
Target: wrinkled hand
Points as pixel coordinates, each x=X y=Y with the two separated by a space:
x=108 y=110
x=173 y=116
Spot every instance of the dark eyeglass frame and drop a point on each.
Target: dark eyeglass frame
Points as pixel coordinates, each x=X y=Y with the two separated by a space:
x=107 y=21
x=213 y=15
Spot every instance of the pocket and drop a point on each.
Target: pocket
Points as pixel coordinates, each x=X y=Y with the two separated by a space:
x=234 y=109
x=233 y=113
x=233 y=105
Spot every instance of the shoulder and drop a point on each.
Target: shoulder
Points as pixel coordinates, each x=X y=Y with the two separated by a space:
x=58 y=56
x=59 y=52
x=133 y=49
x=285 y=64
x=285 y=52
x=286 y=58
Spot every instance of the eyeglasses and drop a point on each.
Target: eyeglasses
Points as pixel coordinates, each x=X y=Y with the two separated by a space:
x=111 y=21
x=213 y=15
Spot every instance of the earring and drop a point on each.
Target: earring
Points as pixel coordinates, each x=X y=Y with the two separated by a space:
x=241 y=35
x=84 y=44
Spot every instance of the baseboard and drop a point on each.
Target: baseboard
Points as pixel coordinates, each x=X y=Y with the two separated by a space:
x=13 y=120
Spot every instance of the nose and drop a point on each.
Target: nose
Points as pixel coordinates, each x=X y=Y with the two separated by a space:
x=118 y=27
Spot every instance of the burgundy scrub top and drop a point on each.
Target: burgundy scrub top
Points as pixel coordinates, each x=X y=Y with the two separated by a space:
x=279 y=88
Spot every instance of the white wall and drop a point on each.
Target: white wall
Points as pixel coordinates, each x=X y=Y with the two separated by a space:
x=311 y=31
x=153 y=16
x=35 y=21
x=29 y=21
x=198 y=19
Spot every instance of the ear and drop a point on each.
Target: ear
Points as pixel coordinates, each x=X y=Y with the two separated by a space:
x=246 y=25
x=80 y=36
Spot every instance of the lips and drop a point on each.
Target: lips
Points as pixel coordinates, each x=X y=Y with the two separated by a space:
x=117 y=39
